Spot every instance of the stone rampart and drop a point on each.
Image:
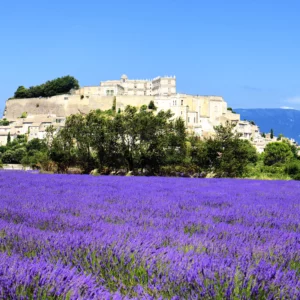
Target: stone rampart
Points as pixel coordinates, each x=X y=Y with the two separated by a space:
x=64 y=105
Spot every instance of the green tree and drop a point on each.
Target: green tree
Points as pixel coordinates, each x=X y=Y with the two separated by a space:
x=18 y=155
x=13 y=156
x=177 y=146
x=37 y=145
x=77 y=134
x=114 y=106
x=147 y=140
x=277 y=153
x=151 y=105
x=51 y=88
x=103 y=139
x=61 y=152
x=293 y=148
x=4 y=122
x=8 y=157
x=3 y=149
x=21 y=92
x=293 y=168
x=199 y=153
x=271 y=134
x=227 y=154
x=8 y=138
x=280 y=137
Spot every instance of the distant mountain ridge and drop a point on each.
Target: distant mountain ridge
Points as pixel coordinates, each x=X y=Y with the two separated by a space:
x=285 y=121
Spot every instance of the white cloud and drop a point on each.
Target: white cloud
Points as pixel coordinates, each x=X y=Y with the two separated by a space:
x=287 y=107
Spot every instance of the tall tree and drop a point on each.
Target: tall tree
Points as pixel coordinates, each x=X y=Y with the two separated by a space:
x=277 y=153
x=227 y=153
x=80 y=133
x=8 y=138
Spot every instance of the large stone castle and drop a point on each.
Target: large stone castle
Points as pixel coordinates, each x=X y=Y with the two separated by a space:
x=159 y=86
x=200 y=113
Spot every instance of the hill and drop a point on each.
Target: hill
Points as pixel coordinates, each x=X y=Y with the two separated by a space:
x=285 y=121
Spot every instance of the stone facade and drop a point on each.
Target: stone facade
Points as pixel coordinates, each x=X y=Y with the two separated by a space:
x=159 y=86
x=200 y=113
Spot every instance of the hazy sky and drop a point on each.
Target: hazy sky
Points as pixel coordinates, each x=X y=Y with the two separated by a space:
x=248 y=51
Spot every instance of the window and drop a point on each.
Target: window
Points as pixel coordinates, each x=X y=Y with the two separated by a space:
x=189 y=119
x=181 y=102
x=66 y=98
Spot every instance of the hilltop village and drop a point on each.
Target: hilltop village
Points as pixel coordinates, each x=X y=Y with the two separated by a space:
x=31 y=116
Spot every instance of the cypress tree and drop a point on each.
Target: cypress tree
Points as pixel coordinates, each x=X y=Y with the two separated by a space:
x=8 y=138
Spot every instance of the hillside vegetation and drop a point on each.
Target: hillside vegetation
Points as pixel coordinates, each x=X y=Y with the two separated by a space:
x=143 y=142
x=51 y=88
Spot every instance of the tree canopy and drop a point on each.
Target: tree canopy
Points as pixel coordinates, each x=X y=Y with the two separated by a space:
x=227 y=154
x=277 y=152
x=132 y=139
x=51 y=88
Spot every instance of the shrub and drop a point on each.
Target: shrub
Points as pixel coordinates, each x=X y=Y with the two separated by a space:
x=4 y=122
x=8 y=157
x=24 y=115
x=277 y=152
x=296 y=177
x=292 y=168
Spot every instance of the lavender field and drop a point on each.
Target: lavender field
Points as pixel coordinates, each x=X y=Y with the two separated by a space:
x=84 y=237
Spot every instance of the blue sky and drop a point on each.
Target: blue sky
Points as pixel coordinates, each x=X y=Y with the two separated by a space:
x=248 y=51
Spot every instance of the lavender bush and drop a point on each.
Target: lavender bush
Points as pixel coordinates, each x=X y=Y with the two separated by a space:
x=83 y=237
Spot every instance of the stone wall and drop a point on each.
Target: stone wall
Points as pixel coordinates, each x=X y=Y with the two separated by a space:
x=61 y=106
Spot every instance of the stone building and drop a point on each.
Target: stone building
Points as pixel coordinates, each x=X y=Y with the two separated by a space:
x=200 y=113
x=159 y=86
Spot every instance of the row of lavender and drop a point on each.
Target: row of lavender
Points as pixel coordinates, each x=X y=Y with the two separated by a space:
x=83 y=237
